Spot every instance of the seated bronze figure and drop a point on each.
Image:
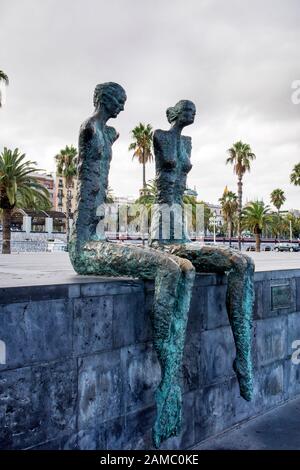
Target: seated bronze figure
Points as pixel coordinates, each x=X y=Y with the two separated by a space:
x=90 y=253
x=170 y=262
x=172 y=158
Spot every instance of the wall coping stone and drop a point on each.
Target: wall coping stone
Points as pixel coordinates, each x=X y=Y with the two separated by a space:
x=90 y=286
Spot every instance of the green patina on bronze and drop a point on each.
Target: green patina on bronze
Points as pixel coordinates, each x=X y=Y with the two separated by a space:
x=172 y=157
x=91 y=254
x=170 y=262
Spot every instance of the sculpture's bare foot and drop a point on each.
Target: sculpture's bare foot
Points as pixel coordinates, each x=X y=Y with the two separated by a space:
x=244 y=375
x=168 y=421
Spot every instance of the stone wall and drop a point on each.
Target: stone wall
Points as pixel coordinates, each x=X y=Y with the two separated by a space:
x=34 y=241
x=81 y=372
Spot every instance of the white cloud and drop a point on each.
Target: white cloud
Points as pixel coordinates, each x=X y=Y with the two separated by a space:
x=236 y=60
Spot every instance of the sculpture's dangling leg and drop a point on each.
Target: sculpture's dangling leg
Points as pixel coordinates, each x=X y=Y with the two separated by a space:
x=174 y=279
x=240 y=299
x=173 y=290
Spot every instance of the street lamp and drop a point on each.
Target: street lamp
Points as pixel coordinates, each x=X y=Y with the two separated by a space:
x=213 y=220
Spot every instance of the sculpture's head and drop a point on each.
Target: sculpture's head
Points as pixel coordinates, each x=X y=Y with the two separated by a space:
x=111 y=97
x=183 y=113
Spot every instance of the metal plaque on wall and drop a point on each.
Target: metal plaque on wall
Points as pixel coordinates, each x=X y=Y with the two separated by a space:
x=281 y=296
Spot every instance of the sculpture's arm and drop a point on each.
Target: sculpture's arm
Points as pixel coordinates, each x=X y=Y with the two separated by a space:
x=86 y=133
x=86 y=136
x=112 y=133
x=187 y=142
x=164 y=156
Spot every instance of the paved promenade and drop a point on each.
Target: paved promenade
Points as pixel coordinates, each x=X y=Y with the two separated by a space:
x=27 y=269
x=276 y=430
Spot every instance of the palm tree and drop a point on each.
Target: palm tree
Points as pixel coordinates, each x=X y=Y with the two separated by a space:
x=295 y=175
x=208 y=214
x=18 y=188
x=229 y=204
x=66 y=166
x=110 y=198
x=240 y=155
x=276 y=225
x=277 y=198
x=145 y=202
x=3 y=79
x=295 y=224
x=142 y=145
x=149 y=194
x=256 y=217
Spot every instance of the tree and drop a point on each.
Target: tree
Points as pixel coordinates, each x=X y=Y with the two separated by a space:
x=240 y=156
x=277 y=225
x=229 y=204
x=149 y=195
x=18 y=188
x=144 y=204
x=278 y=198
x=295 y=221
x=256 y=217
x=295 y=175
x=110 y=198
x=207 y=216
x=3 y=79
x=142 y=145
x=66 y=166
x=190 y=216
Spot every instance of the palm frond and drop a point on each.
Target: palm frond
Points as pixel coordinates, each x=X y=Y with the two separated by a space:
x=295 y=175
x=4 y=77
x=142 y=143
x=18 y=186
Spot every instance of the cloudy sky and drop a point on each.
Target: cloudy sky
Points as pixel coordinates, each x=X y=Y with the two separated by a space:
x=235 y=59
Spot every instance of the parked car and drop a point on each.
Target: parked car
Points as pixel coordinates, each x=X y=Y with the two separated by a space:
x=287 y=247
x=250 y=248
x=267 y=248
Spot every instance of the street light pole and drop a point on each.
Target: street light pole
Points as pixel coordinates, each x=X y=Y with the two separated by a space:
x=214 y=224
x=213 y=221
x=291 y=231
x=68 y=213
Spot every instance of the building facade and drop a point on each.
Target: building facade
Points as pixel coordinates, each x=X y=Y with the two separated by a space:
x=61 y=193
x=216 y=210
x=48 y=181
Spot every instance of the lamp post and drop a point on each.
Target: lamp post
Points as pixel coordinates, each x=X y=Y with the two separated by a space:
x=68 y=214
x=213 y=220
x=291 y=231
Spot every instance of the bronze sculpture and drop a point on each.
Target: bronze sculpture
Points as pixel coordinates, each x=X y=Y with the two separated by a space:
x=172 y=157
x=90 y=253
x=171 y=262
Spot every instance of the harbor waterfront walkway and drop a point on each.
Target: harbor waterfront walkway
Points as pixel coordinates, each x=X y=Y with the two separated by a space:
x=276 y=430
x=29 y=269
x=44 y=272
